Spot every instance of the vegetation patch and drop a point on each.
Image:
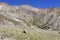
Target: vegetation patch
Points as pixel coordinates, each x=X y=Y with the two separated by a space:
x=18 y=34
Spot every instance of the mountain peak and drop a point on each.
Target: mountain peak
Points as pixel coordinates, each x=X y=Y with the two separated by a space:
x=26 y=6
x=2 y=3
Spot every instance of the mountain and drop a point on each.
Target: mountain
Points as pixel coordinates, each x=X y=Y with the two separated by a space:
x=45 y=17
x=25 y=22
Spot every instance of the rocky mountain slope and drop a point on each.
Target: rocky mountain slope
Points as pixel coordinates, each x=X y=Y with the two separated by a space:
x=45 y=17
x=28 y=23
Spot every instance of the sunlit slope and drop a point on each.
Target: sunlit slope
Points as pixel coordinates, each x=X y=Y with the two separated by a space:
x=29 y=23
x=31 y=34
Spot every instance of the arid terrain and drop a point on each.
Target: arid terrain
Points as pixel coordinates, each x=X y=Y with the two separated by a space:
x=25 y=22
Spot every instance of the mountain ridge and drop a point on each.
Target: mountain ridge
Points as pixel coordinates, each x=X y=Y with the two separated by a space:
x=26 y=22
x=33 y=15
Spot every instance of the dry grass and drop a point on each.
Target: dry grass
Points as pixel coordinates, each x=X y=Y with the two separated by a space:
x=18 y=34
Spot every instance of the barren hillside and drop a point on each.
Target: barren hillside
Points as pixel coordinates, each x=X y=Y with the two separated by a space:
x=25 y=22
